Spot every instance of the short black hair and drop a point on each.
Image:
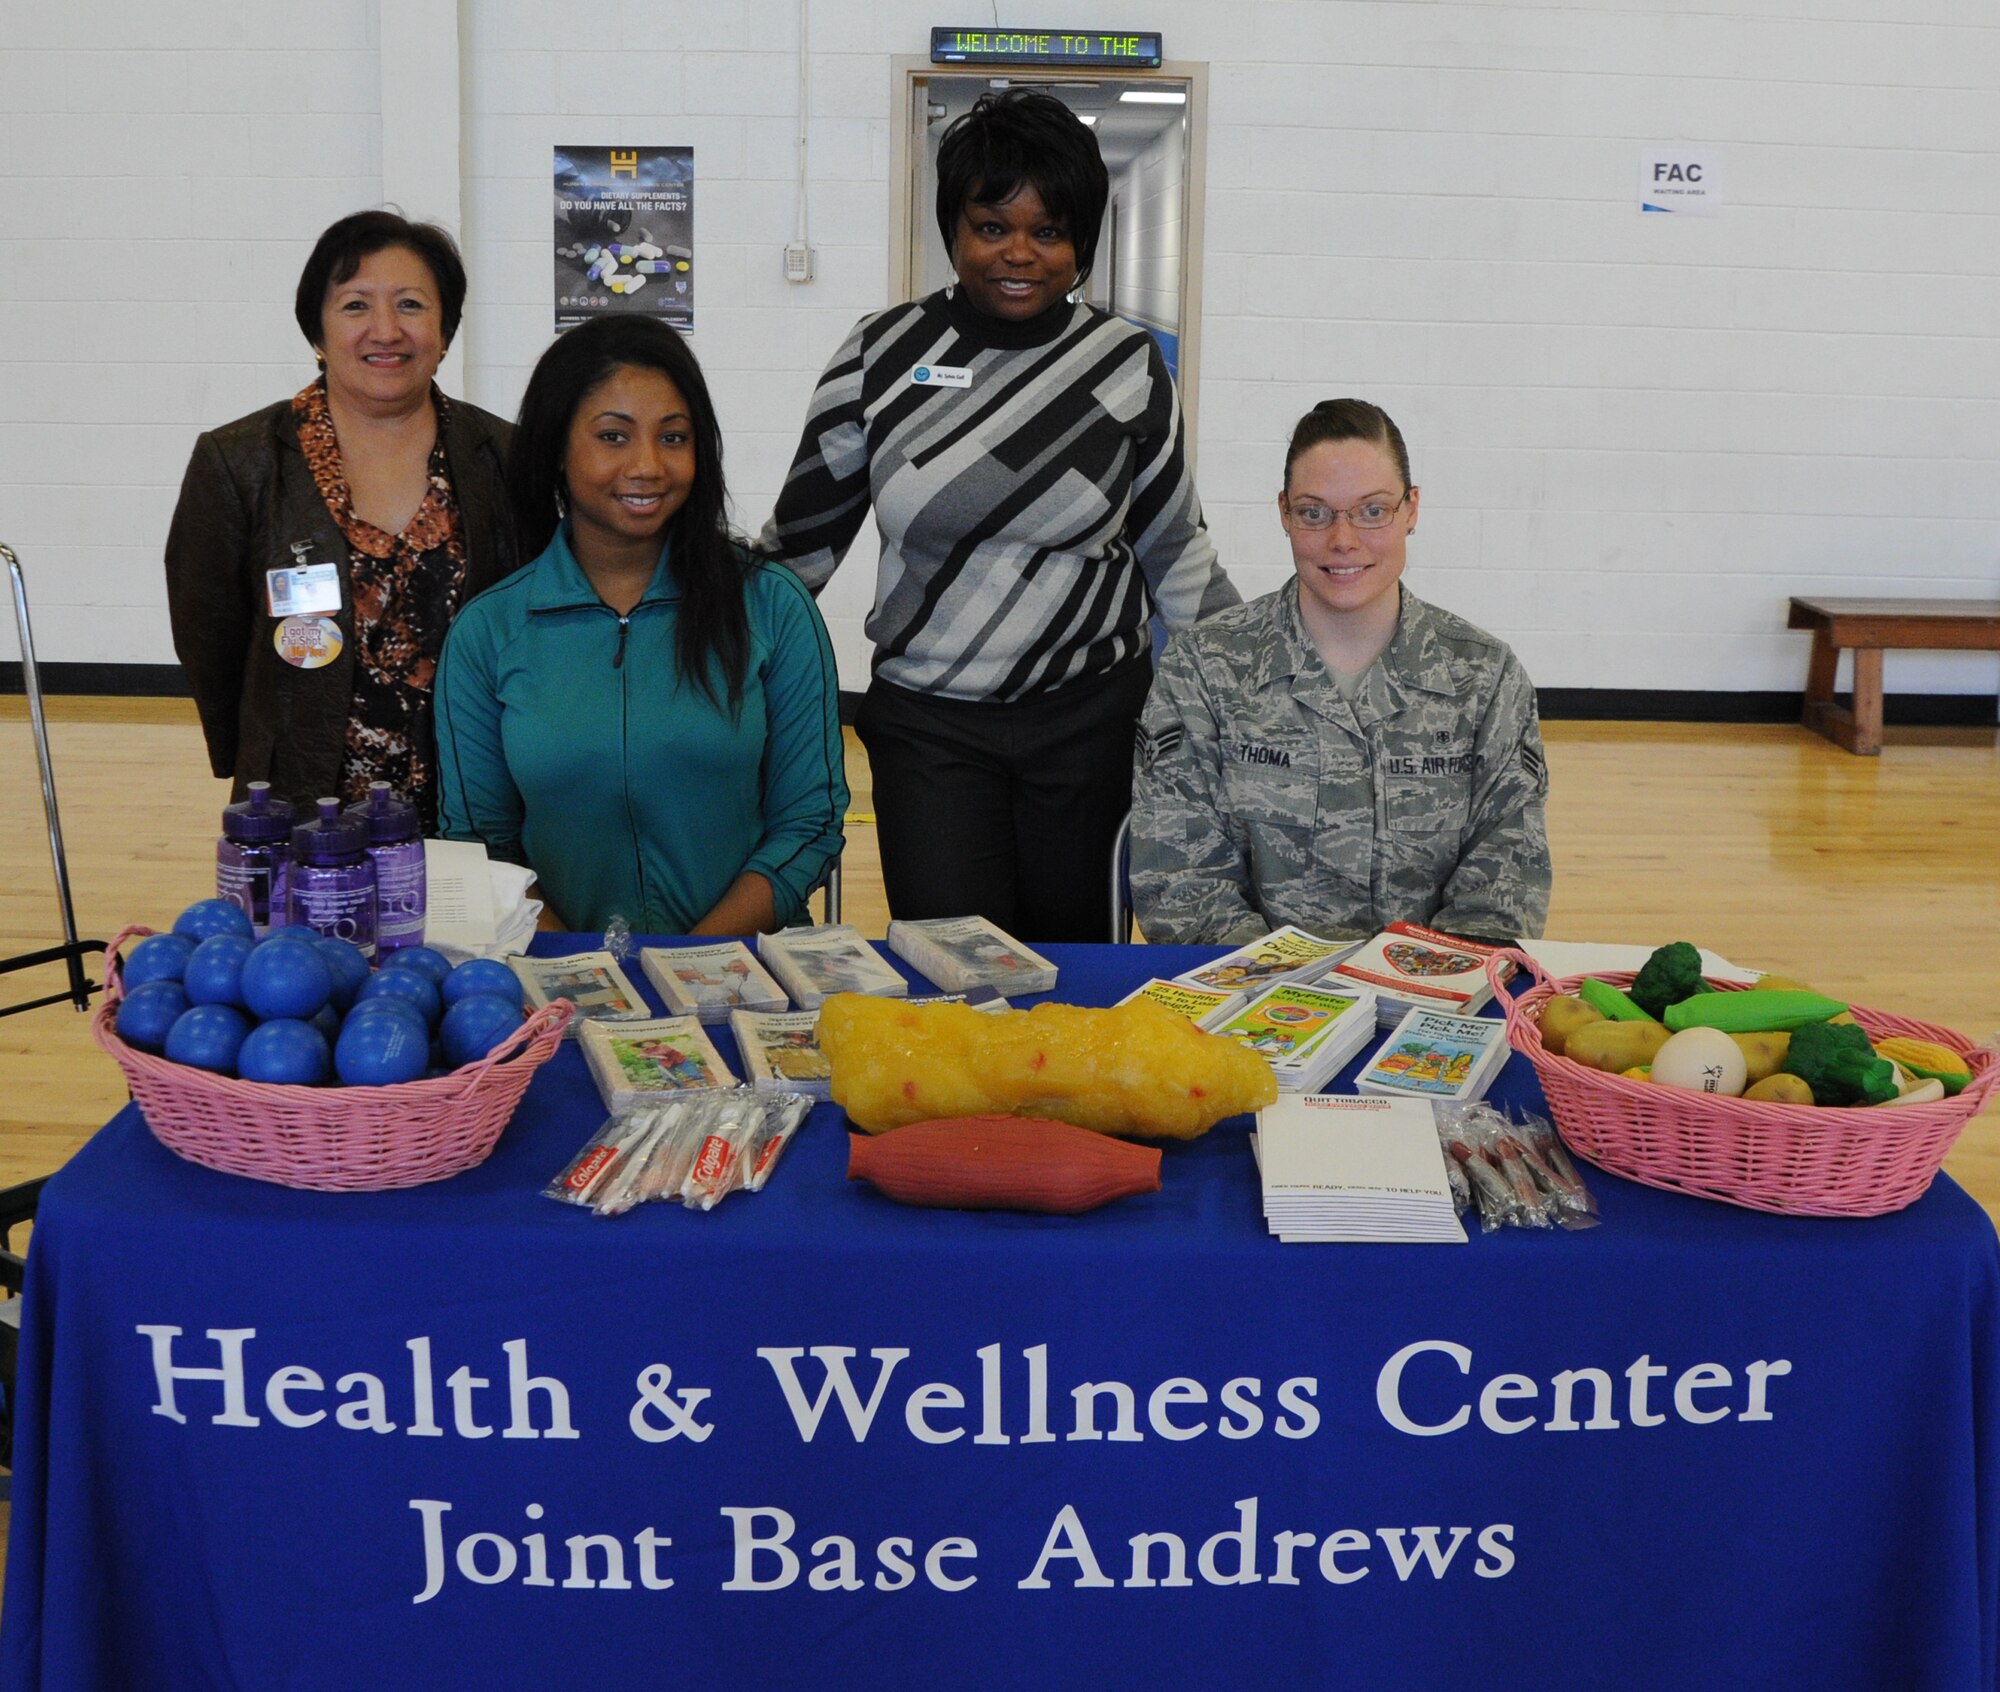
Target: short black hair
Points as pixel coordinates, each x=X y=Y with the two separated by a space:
x=338 y=253
x=714 y=625
x=1017 y=136
x=1348 y=420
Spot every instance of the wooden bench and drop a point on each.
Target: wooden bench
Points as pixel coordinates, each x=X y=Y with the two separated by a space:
x=1870 y=627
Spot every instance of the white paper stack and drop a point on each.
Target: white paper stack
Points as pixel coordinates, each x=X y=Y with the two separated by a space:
x=1338 y=1168
x=960 y=953
x=1306 y=1034
x=474 y=906
x=711 y=980
x=1285 y=954
x=1561 y=959
x=1429 y=1055
x=813 y=964
x=1416 y=968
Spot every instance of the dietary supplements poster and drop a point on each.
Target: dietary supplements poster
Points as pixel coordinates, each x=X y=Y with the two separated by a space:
x=624 y=233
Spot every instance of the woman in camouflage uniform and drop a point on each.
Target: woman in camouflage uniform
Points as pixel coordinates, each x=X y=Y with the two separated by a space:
x=1339 y=754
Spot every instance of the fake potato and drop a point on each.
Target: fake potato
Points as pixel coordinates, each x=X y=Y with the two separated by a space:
x=1763 y=1054
x=1135 y=1069
x=1562 y=1016
x=1780 y=1089
x=1612 y=1046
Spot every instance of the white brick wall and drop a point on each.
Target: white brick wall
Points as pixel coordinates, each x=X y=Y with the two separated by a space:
x=1636 y=435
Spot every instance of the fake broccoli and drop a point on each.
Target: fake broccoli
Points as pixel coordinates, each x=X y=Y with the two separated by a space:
x=1837 y=1062
x=1672 y=974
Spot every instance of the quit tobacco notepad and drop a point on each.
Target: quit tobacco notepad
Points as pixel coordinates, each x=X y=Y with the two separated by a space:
x=1349 y=1169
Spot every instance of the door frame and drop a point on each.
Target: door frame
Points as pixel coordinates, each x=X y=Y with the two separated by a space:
x=910 y=83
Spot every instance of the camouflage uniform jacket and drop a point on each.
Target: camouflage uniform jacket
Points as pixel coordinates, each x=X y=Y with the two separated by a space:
x=1262 y=797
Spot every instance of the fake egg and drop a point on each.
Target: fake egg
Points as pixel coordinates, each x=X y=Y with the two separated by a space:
x=214 y=974
x=208 y=1037
x=1703 y=1060
x=159 y=957
x=481 y=975
x=286 y=980
x=213 y=916
x=382 y=1048
x=284 y=1050
x=433 y=963
x=475 y=1025
x=148 y=1011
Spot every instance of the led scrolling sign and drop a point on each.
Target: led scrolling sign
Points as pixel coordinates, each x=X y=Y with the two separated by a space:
x=1140 y=51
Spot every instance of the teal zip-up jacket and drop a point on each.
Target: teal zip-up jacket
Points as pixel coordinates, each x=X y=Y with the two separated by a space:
x=568 y=742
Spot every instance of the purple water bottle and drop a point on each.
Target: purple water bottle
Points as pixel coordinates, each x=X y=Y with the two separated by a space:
x=396 y=843
x=333 y=878
x=254 y=856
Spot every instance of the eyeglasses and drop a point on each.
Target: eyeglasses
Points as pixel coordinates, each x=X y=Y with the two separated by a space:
x=1369 y=514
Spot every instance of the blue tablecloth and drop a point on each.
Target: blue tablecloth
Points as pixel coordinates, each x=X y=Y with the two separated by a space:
x=1803 y=1495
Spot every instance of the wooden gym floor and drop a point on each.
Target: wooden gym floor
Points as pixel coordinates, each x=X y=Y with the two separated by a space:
x=1877 y=879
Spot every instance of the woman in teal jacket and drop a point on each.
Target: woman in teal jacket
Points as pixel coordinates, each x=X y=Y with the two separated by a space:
x=644 y=716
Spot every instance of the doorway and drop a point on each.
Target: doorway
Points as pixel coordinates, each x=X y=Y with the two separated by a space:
x=1150 y=128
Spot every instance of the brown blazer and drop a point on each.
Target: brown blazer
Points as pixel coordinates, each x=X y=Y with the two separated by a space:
x=247 y=496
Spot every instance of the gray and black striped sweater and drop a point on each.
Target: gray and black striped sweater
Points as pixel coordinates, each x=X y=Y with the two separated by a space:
x=1031 y=522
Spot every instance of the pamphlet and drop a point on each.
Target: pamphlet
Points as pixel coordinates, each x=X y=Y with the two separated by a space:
x=712 y=980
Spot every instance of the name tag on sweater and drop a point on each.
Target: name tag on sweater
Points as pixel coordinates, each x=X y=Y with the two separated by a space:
x=303 y=590
x=941 y=376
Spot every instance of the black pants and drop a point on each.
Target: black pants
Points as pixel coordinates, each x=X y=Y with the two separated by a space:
x=1004 y=810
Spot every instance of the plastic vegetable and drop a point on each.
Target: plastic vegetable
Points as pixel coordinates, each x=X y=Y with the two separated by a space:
x=1607 y=1001
x=1926 y=1058
x=1562 y=1016
x=1671 y=974
x=1780 y=1089
x=1756 y=1011
x=1836 y=1061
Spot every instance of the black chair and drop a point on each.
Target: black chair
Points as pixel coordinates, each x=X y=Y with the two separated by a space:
x=17 y=1207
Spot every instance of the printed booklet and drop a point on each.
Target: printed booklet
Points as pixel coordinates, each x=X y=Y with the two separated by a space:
x=780 y=1051
x=635 y=1062
x=959 y=953
x=711 y=981
x=1203 y=1006
x=813 y=964
x=1338 y=1168
x=1435 y=1056
x=975 y=998
x=1411 y=968
x=1306 y=1034
x=592 y=981
x=1285 y=954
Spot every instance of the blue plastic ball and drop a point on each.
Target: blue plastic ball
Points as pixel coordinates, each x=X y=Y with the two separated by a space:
x=159 y=957
x=434 y=964
x=401 y=1009
x=214 y=916
x=214 y=975
x=285 y=1050
x=411 y=984
x=349 y=966
x=208 y=1037
x=381 y=1050
x=474 y=1026
x=481 y=975
x=288 y=980
x=148 y=1012
x=289 y=931
x=327 y=1020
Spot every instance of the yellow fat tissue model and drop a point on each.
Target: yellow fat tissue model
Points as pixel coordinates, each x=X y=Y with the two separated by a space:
x=1137 y=1069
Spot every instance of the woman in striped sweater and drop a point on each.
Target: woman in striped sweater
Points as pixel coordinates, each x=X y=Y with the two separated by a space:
x=1025 y=460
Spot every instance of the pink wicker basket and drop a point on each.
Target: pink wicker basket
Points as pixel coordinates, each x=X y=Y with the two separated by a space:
x=335 y=1139
x=1795 y=1159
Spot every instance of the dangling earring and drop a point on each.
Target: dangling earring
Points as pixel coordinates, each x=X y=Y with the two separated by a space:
x=562 y=506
